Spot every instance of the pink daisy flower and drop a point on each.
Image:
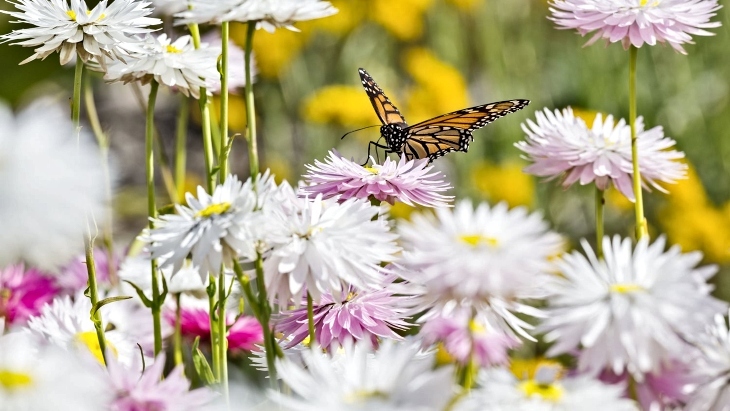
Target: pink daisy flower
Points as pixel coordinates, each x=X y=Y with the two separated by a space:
x=135 y=392
x=464 y=338
x=23 y=293
x=635 y=22
x=663 y=390
x=410 y=182
x=562 y=145
x=244 y=333
x=361 y=316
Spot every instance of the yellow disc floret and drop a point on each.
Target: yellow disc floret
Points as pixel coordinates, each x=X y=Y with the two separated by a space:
x=213 y=209
x=90 y=340
x=13 y=380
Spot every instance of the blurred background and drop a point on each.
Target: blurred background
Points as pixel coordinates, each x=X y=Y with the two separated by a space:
x=431 y=57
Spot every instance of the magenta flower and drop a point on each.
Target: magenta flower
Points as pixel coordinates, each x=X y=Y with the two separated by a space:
x=410 y=182
x=135 y=392
x=635 y=22
x=361 y=316
x=562 y=145
x=464 y=338
x=23 y=293
x=244 y=333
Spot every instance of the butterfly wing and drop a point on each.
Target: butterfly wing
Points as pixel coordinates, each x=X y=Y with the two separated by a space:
x=452 y=131
x=386 y=111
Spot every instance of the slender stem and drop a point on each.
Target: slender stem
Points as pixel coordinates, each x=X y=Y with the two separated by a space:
x=222 y=334
x=641 y=228
x=76 y=104
x=152 y=212
x=214 y=345
x=265 y=311
x=310 y=321
x=223 y=161
x=181 y=148
x=253 y=155
x=177 y=336
x=600 y=204
x=93 y=293
x=246 y=287
x=205 y=119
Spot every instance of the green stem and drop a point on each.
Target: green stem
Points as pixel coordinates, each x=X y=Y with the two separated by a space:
x=177 y=336
x=265 y=311
x=214 y=345
x=205 y=120
x=600 y=204
x=152 y=211
x=181 y=148
x=310 y=321
x=93 y=292
x=223 y=161
x=246 y=287
x=641 y=228
x=76 y=104
x=222 y=334
x=253 y=155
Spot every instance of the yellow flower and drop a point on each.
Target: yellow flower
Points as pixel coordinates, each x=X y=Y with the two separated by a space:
x=440 y=88
x=236 y=112
x=617 y=200
x=588 y=116
x=400 y=211
x=351 y=14
x=504 y=182
x=402 y=18
x=279 y=167
x=344 y=105
x=526 y=369
x=273 y=51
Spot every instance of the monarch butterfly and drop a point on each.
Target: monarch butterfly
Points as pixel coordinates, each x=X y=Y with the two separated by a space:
x=435 y=137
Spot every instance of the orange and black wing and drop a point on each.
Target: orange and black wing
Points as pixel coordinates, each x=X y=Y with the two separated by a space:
x=452 y=132
x=386 y=111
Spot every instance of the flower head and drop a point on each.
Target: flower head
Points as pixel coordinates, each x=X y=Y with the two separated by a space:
x=44 y=213
x=712 y=367
x=175 y=64
x=107 y=30
x=148 y=391
x=637 y=22
x=213 y=228
x=269 y=14
x=411 y=182
x=561 y=145
x=23 y=292
x=630 y=311
x=395 y=377
x=42 y=378
x=362 y=316
x=323 y=246
x=485 y=258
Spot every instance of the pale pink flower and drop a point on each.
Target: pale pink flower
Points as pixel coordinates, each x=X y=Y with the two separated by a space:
x=661 y=390
x=410 y=182
x=74 y=276
x=135 y=392
x=562 y=145
x=244 y=332
x=23 y=292
x=363 y=316
x=464 y=338
x=636 y=22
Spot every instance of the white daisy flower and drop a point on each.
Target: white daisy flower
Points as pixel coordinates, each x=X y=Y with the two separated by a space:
x=44 y=378
x=486 y=258
x=68 y=324
x=175 y=64
x=213 y=228
x=630 y=311
x=712 y=369
x=323 y=246
x=44 y=212
x=395 y=377
x=501 y=391
x=104 y=31
x=269 y=14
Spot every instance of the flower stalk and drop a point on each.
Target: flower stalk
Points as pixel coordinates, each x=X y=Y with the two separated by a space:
x=223 y=160
x=177 y=336
x=600 y=225
x=181 y=148
x=205 y=120
x=222 y=334
x=253 y=155
x=76 y=104
x=310 y=321
x=641 y=227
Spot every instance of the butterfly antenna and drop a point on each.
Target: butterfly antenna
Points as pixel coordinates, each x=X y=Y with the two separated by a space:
x=350 y=132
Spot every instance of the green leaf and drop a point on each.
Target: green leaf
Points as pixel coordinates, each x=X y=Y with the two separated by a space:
x=106 y=301
x=201 y=364
x=146 y=301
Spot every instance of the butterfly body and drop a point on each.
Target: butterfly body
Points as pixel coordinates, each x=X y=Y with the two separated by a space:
x=435 y=137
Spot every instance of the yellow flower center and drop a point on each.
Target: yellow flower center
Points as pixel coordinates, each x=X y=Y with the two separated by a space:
x=549 y=392
x=476 y=239
x=626 y=288
x=361 y=396
x=372 y=170
x=476 y=328
x=654 y=3
x=172 y=49
x=11 y=380
x=90 y=340
x=71 y=14
x=213 y=209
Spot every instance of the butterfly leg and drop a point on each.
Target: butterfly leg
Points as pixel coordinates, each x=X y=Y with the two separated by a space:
x=377 y=146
